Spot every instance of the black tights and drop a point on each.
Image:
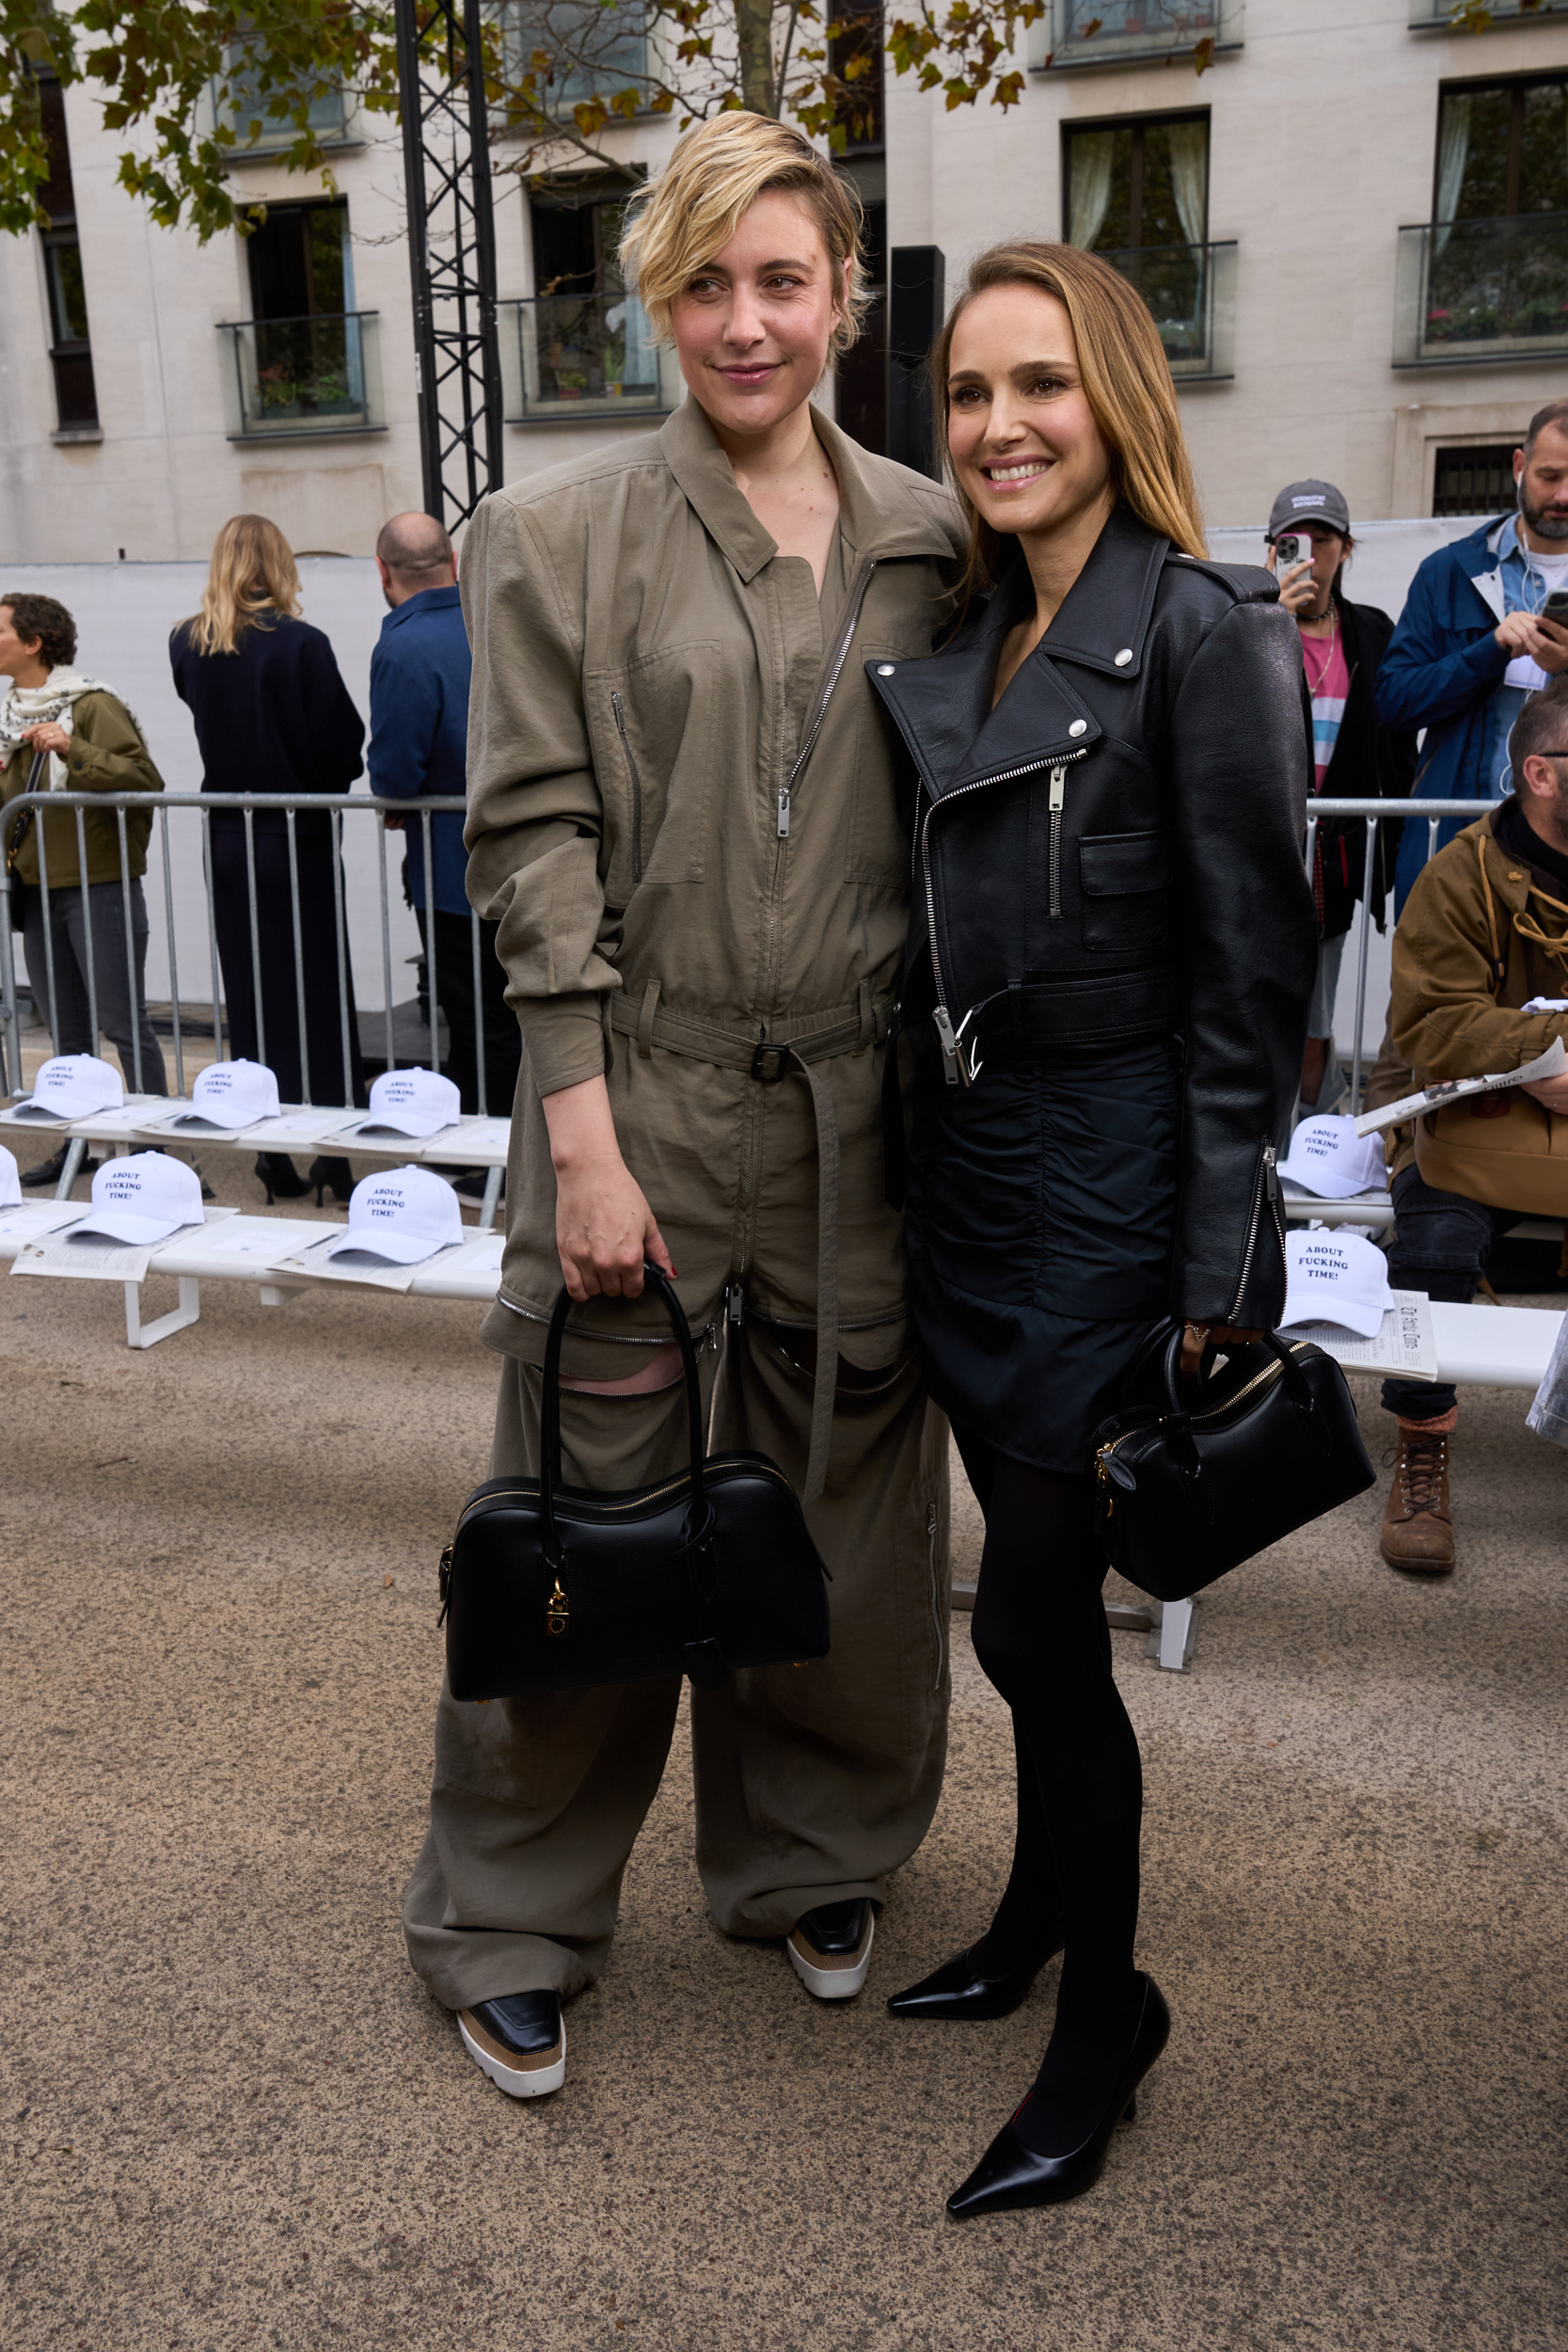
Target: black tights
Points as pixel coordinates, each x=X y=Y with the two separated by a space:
x=1039 y=1632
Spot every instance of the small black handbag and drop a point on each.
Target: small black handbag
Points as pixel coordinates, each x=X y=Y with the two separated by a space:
x=1187 y=1492
x=544 y=1587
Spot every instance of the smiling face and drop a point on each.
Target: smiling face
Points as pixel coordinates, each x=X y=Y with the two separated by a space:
x=751 y=326
x=1024 y=440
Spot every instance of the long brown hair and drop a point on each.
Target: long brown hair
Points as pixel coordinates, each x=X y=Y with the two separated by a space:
x=1127 y=382
x=252 y=572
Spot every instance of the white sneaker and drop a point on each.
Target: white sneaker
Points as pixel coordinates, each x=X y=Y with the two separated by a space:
x=830 y=1948
x=518 y=2041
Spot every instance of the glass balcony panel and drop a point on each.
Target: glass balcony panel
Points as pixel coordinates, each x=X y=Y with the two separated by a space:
x=1191 y=292
x=285 y=377
x=1438 y=15
x=1119 y=32
x=565 y=356
x=1471 y=291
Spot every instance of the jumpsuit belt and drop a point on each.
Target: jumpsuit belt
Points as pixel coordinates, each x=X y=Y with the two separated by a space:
x=849 y=1029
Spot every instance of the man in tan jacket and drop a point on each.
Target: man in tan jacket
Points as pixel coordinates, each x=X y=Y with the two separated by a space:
x=1483 y=934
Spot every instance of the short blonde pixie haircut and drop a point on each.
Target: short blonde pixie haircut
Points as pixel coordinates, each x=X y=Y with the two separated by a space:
x=694 y=207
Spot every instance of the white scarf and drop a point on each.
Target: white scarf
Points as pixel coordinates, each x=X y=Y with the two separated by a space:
x=32 y=706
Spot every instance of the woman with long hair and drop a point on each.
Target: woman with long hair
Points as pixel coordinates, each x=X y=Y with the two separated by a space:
x=681 y=813
x=272 y=716
x=1106 y=987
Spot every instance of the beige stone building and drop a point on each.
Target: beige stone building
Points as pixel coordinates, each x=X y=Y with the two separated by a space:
x=1353 y=227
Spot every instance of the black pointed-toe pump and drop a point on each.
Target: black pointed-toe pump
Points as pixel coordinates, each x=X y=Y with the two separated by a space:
x=964 y=1988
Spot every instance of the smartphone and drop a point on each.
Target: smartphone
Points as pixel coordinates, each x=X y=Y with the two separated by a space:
x=1556 y=608
x=1292 y=547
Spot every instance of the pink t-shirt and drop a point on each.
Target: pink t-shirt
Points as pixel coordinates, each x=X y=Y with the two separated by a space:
x=1328 y=683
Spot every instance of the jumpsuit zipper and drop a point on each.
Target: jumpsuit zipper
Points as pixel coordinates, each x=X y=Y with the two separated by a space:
x=636 y=789
x=936 y=1595
x=955 y=1069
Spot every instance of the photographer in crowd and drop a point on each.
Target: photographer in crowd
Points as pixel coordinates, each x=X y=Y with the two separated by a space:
x=1478 y=634
x=62 y=732
x=1354 y=757
x=1483 y=934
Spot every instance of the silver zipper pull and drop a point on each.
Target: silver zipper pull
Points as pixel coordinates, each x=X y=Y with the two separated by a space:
x=1271 y=1170
x=784 y=812
x=952 y=1060
x=1058 y=789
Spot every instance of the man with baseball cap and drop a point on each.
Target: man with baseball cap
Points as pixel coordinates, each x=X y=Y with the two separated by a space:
x=1353 y=755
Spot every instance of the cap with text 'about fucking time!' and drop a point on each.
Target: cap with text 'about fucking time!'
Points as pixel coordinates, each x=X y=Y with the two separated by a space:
x=1335 y=1278
x=404 y=1213
x=73 y=1086
x=412 y=1102
x=1328 y=1157
x=142 y=1199
x=10 y=1182
x=231 y=1095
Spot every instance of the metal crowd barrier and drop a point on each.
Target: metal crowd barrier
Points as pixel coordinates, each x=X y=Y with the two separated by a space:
x=160 y=805
x=341 y=805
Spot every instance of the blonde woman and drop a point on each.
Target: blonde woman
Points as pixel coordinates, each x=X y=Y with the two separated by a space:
x=273 y=715
x=1110 y=977
x=682 y=815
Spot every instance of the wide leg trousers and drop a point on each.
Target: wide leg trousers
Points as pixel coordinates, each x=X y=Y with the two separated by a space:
x=811 y=1783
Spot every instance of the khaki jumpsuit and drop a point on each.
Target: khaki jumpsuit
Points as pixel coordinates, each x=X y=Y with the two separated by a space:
x=674 y=890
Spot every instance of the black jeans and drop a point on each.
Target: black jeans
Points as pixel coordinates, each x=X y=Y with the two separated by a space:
x=455 y=990
x=116 y=982
x=1442 y=1244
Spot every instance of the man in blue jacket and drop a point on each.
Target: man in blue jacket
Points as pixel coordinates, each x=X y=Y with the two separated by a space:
x=420 y=673
x=1472 y=641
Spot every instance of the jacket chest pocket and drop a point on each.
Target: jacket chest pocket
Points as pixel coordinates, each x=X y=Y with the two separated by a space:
x=1125 y=879
x=651 y=724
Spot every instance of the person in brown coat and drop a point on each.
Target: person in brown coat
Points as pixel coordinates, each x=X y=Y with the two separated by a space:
x=1483 y=934
x=682 y=816
x=63 y=732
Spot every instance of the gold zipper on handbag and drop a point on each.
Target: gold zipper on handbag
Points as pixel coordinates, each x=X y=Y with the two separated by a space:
x=1271 y=1371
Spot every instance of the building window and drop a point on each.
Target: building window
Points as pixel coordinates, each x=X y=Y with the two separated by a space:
x=1487 y=277
x=581 y=345
x=1474 y=481
x=591 y=51
x=1502 y=151
x=302 y=355
x=855 y=58
x=70 y=347
x=1139 y=183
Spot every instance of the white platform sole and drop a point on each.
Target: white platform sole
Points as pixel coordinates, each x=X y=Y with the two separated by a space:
x=834 y=1984
x=518 y=2082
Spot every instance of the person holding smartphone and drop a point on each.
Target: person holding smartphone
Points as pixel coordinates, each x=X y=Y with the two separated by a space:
x=1354 y=757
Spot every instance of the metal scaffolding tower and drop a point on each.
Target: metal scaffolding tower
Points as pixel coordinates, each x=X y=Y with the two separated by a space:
x=452 y=252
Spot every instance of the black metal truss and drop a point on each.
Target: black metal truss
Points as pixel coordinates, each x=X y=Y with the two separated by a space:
x=452 y=252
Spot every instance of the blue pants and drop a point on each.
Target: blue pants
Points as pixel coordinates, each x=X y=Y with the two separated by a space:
x=1444 y=1241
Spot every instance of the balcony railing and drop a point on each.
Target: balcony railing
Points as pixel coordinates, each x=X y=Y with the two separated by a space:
x=1473 y=292
x=1428 y=16
x=1191 y=289
x=1122 y=32
x=566 y=358
x=286 y=377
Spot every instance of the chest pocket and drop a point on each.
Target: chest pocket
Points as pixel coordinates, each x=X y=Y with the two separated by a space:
x=1125 y=877
x=651 y=724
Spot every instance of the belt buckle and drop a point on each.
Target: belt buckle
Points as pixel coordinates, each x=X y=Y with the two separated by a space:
x=770 y=1063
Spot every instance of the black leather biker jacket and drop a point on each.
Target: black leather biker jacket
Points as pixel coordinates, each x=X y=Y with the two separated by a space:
x=1116 y=852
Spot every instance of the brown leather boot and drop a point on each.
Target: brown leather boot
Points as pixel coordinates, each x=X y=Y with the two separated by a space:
x=1418 y=1530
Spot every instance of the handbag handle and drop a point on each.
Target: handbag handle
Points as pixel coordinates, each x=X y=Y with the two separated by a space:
x=549 y=1432
x=1295 y=1379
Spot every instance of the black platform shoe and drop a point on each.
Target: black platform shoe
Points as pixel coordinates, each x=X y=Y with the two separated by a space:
x=279 y=1176
x=518 y=2041
x=333 y=1176
x=1011 y=2177
x=960 y=1988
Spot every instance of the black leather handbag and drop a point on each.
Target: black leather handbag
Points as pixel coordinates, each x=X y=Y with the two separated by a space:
x=544 y=1587
x=1187 y=1490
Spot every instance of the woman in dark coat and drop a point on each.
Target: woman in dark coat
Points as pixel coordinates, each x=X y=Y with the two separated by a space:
x=1107 y=991
x=273 y=716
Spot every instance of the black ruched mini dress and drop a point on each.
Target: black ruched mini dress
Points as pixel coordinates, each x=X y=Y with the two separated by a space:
x=1040 y=1224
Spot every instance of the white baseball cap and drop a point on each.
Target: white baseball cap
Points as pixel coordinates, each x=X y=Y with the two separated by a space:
x=412 y=1102
x=1328 y=1157
x=404 y=1213
x=73 y=1086
x=10 y=1183
x=1331 y=1276
x=231 y=1094
x=142 y=1199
